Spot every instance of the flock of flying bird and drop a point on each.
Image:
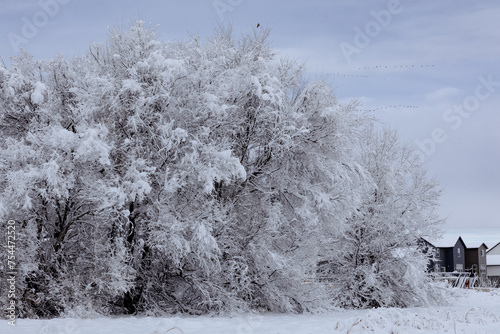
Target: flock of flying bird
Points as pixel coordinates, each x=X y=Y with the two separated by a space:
x=377 y=67
x=385 y=67
x=382 y=67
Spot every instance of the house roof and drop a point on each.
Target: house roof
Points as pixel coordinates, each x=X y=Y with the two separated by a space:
x=446 y=241
x=449 y=241
x=493 y=247
x=473 y=244
x=493 y=260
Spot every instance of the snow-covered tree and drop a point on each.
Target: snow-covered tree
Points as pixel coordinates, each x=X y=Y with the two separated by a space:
x=377 y=260
x=54 y=159
x=189 y=177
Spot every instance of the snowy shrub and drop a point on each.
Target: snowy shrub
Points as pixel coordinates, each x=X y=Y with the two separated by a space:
x=377 y=258
x=197 y=177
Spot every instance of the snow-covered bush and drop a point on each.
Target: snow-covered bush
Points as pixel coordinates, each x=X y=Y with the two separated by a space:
x=197 y=177
x=377 y=260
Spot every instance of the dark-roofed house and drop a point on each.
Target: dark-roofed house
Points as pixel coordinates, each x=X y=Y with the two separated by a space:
x=493 y=263
x=449 y=254
x=475 y=259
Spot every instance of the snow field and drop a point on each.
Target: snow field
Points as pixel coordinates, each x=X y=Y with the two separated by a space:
x=470 y=311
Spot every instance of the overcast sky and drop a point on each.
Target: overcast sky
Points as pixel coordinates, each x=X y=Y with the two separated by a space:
x=430 y=69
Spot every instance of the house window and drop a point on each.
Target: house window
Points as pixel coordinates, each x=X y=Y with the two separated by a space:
x=458 y=252
x=483 y=269
x=459 y=267
x=437 y=254
x=482 y=252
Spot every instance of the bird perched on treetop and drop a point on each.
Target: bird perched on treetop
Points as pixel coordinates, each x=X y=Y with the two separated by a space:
x=258 y=25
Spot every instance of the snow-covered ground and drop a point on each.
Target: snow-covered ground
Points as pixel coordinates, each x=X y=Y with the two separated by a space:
x=470 y=312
